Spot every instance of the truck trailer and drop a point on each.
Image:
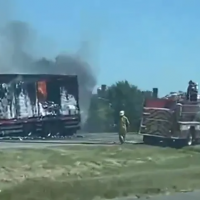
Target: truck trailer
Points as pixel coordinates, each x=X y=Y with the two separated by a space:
x=39 y=105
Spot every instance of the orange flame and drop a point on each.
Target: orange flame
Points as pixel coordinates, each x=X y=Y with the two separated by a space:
x=42 y=88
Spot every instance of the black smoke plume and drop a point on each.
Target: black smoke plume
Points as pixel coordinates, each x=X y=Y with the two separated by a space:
x=16 y=56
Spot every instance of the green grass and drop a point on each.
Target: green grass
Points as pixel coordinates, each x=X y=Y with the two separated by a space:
x=81 y=172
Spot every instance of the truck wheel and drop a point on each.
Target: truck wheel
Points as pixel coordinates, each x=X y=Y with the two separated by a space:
x=189 y=140
x=147 y=139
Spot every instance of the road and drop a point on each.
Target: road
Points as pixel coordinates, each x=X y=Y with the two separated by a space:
x=90 y=138
x=96 y=139
x=178 y=196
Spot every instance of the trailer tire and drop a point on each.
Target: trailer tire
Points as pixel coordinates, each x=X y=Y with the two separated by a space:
x=28 y=129
x=148 y=140
x=50 y=129
x=190 y=139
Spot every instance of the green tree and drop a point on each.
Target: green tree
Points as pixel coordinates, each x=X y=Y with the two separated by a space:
x=124 y=96
x=99 y=116
x=105 y=107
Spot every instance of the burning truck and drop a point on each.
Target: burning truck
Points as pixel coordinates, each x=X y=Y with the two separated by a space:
x=43 y=105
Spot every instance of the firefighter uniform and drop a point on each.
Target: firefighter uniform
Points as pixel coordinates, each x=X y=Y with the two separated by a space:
x=123 y=126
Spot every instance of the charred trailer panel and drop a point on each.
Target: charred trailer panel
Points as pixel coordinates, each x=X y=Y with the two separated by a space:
x=39 y=105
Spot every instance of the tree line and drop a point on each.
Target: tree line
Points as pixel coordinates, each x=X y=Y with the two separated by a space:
x=104 y=108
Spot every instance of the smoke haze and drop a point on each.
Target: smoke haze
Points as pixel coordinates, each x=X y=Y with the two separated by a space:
x=16 y=56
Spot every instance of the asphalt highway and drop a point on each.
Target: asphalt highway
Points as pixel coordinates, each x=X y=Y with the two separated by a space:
x=83 y=139
x=177 y=196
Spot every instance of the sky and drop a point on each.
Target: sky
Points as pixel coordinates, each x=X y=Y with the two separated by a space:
x=151 y=43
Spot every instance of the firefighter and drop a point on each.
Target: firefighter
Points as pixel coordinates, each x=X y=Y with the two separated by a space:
x=190 y=83
x=192 y=91
x=123 y=126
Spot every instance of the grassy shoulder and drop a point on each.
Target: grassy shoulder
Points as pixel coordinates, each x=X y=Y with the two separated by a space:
x=106 y=172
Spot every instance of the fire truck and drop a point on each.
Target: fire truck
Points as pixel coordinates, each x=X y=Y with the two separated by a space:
x=173 y=119
x=41 y=105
